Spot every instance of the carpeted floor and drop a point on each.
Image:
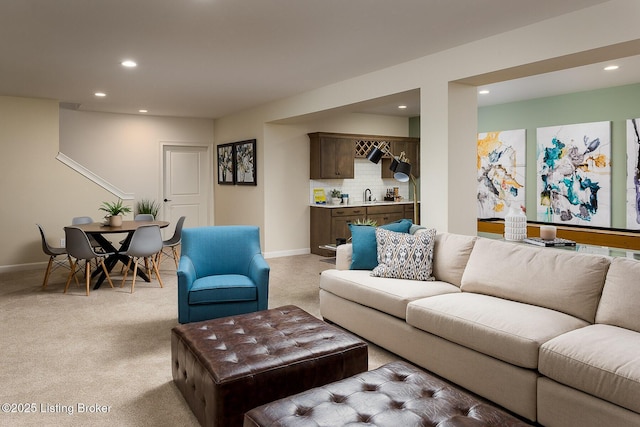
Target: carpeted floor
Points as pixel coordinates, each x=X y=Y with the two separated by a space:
x=104 y=360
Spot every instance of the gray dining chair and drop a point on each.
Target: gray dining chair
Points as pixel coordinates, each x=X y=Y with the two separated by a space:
x=145 y=243
x=78 y=220
x=54 y=262
x=139 y=217
x=143 y=217
x=79 y=248
x=169 y=247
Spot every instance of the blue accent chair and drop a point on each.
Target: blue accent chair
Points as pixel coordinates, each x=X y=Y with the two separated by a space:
x=221 y=273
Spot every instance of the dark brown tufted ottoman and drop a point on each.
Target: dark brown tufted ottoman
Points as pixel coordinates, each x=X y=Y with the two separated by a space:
x=224 y=367
x=394 y=395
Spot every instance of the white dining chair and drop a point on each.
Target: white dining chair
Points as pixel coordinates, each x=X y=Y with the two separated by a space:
x=145 y=243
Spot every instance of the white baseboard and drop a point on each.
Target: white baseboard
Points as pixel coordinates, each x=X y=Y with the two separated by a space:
x=292 y=252
x=22 y=267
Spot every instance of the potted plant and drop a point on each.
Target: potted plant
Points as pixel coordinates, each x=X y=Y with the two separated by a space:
x=336 y=196
x=114 y=212
x=146 y=206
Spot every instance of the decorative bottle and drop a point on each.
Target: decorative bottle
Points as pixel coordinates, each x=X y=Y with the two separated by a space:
x=515 y=224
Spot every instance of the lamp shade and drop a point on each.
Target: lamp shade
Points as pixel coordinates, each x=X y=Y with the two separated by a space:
x=375 y=155
x=393 y=165
x=402 y=171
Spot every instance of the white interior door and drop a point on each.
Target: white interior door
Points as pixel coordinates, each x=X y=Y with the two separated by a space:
x=187 y=184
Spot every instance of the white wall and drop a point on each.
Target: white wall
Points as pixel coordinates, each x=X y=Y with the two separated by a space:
x=35 y=187
x=124 y=149
x=448 y=109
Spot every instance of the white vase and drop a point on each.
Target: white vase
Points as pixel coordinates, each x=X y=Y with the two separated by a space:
x=515 y=224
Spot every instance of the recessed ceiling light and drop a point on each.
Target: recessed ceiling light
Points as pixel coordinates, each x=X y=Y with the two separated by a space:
x=611 y=67
x=402 y=107
x=129 y=63
x=100 y=94
x=483 y=91
x=143 y=111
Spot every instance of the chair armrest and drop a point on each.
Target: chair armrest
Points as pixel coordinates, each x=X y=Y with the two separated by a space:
x=186 y=277
x=343 y=256
x=259 y=273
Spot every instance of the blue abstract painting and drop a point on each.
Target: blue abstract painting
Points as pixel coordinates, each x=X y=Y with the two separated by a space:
x=633 y=174
x=574 y=174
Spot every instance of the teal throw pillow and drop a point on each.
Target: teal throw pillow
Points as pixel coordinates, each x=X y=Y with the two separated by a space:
x=363 y=239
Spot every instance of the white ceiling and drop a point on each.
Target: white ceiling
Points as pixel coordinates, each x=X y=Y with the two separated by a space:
x=210 y=58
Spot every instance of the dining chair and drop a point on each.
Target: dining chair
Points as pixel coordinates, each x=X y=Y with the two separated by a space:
x=169 y=247
x=79 y=248
x=54 y=262
x=143 y=217
x=78 y=220
x=145 y=243
x=139 y=217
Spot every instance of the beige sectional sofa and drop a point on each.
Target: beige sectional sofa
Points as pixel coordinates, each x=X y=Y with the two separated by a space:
x=550 y=334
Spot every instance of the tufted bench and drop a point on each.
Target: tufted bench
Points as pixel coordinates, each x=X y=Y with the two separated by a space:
x=396 y=394
x=224 y=367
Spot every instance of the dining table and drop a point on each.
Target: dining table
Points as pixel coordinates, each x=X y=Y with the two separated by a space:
x=98 y=230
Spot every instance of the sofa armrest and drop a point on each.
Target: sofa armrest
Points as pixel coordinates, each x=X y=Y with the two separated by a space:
x=343 y=256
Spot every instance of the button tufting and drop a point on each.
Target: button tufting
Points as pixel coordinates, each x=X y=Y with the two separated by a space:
x=336 y=398
x=396 y=405
x=427 y=392
x=400 y=377
x=301 y=411
x=364 y=418
x=369 y=387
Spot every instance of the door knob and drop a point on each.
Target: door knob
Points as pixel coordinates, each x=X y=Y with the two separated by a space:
x=167 y=200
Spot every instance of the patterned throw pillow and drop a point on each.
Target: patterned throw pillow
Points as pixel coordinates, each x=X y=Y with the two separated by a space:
x=405 y=256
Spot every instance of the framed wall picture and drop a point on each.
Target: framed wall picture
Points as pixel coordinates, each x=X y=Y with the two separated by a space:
x=226 y=163
x=574 y=174
x=245 y=162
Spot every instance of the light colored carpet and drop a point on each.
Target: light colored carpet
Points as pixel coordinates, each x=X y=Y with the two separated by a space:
x=105 y=360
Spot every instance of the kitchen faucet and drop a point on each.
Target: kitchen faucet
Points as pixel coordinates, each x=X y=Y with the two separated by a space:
x=365 y=195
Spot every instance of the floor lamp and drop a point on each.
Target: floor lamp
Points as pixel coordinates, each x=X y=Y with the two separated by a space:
x=401 y=169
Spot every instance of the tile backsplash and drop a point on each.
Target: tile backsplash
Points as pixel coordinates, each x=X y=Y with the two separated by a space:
x=367 y=175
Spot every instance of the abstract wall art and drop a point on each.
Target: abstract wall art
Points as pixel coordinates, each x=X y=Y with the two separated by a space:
x=501 y=163
x=633 y=174
x=574 y=174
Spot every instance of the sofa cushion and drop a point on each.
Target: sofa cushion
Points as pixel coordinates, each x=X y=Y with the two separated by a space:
x=554 y=278
x=507 y=330
x=363 y=239
x=390 y=296
x=621 y=295
x=450 y=255
x=601 y=360
x=222 y=288
x=405 y=256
